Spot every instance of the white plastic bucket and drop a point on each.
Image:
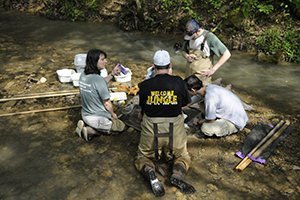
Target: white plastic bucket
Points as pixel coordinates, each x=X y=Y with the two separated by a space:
x=79 y=62
x=75 y=78
x=64 y=75
x=122 y=78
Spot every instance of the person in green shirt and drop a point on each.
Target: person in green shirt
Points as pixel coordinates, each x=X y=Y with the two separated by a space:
x=199 y=48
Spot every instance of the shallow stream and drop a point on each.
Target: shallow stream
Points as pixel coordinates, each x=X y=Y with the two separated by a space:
x=41 y=157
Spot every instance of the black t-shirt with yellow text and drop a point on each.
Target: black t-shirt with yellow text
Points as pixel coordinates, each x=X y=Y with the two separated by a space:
x=163 y=96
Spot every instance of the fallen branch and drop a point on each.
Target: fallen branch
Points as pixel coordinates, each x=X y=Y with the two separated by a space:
x=40 y=110
x=40 y=95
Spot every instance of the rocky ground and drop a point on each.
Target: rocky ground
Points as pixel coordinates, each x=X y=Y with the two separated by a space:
x=213 y=161
x=42 y=158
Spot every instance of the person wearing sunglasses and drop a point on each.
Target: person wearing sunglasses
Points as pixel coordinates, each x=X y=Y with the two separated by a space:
x=199 y=48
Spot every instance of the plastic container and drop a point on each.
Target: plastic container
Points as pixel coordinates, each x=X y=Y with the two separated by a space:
x=122 y=69
x=103 y=73
x=122 y=78
x=64 y=75
x=75 y=78
x=118 y=96
x=79 y=62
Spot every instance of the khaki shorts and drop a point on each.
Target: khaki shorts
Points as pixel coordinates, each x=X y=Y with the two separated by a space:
x=220 y=127
x=104 y=124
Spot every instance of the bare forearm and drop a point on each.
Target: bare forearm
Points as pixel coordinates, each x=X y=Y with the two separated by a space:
x=115 y=71
x=222 y=60
x=109 y=77
x=109 y=107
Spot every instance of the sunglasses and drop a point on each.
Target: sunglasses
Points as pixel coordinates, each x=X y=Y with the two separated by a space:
x=190 y=33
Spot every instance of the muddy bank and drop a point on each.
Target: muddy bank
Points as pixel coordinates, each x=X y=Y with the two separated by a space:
x=42 y=157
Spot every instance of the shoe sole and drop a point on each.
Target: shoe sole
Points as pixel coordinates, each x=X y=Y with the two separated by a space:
x=156 y=186
x=80 y=126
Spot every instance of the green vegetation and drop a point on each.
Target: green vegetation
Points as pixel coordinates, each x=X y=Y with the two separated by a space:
x=71 y=10
x=284 y=44
x=271 y=27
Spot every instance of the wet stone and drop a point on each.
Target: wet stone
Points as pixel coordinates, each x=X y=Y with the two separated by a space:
x=35 y=144
x=8 y=105
x=9 y=85
x=64 y=158
x=213 y=168
x=86 y=150
x=34 y=128
x=180 y=195
x=212 y=187
x=107 y=173
x=289 y=191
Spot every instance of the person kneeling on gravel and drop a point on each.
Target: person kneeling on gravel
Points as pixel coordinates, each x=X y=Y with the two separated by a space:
x=224 y=111
x=97 y=110
x=163 y=136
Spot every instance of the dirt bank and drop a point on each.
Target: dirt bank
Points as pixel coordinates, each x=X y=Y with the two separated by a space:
x=106 y=162
x=42 y=158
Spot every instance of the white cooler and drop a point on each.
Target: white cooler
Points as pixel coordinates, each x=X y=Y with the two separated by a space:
x=79 y=62
x=64 y=75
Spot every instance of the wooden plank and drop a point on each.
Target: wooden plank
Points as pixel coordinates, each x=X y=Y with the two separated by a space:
x=42 y=95
x=260 y=143
x=39 y=110
x=259 y=150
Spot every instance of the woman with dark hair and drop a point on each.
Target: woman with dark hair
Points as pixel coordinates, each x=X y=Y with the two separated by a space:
x=97 y=110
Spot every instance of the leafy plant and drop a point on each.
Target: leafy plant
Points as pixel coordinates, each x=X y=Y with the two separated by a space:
x=282 y=42
x=217 y=4
x=291 y=46
x=266 y=9
x=72 y=11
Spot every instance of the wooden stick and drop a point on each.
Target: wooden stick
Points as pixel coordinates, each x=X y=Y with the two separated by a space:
x=261 y=143
x=40 y=110
x=42 y=93
x=39 y=96
x=259 y=151
x=264 y=146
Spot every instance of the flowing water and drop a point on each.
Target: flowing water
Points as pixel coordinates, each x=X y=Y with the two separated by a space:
x=41 y=158
x=276 y=85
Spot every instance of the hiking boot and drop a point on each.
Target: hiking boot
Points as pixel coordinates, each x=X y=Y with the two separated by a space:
x=182 y=185
x=157 y=187
x=78 y=130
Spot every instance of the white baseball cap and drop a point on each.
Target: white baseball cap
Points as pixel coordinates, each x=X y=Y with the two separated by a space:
x=161 y=58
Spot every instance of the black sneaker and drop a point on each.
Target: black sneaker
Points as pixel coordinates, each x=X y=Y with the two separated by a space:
x=183 y=186
x=156 y=186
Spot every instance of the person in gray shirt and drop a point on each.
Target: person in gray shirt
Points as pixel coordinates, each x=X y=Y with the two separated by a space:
x=224 y=111
x=96 y=108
